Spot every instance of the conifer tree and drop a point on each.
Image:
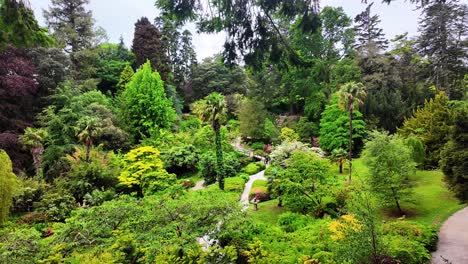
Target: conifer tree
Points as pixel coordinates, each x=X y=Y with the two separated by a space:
x=125 y=77
x=444 y=41
x=145 y=105
x=431 y=124
x=369 y=37
x=147 y=45
x=71 y=24
x=19 y=27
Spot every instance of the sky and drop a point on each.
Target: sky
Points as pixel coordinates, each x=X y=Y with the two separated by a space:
x=118 y=17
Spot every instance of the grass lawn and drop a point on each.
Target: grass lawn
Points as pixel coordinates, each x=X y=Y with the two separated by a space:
x=432 y=201
x=267 y=213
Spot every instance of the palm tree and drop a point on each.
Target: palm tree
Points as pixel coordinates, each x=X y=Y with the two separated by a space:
x=33 y=139
x=350 y=94
x=87 y=129
x=212 y=109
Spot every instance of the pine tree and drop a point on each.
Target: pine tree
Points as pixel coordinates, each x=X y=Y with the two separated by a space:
x=444 y=41
x=369 y=37
x=71 y=24
x=147 y=45
x=187 y=55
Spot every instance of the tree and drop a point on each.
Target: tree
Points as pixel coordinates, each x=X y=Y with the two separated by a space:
x=212 y=109
x=213 y=76
x=112 y=59
x=9 y=185
x=125 y=77
x=252 y=115
x=147 y=45
x=304 y=182
x=431 y=124
x=143 y=172
x=339 y=155
x=89 y=173
x=454 y=156
x=369 y=37
x=53 y=67
x=334 y=128
x=87 y=129
x=253 y=28
x=71 y=24
x=33 y=139
x=288 y=134
x=358 y=236
x=390 y=165
x=443 y=41
x=18 y=89
x=145 y=105
x=19 y=27
x=350 y=94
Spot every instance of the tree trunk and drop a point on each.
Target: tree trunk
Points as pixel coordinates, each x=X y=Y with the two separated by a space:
x=340 y=163
x=400 y=211
x=219 y=156
x=350 y=141
x=89 y=142
x=37 y=158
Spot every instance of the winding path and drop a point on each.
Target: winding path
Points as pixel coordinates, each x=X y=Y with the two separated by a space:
x=248 y=185
x=453 y=240
x=199 y=185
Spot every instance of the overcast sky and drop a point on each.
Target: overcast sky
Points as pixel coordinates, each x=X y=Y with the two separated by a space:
x=118 y=17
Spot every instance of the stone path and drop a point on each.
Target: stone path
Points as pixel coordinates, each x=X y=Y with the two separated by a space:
x=199 y=185
x=453 y=240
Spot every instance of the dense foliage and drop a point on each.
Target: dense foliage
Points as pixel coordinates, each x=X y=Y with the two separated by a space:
x=110 y=154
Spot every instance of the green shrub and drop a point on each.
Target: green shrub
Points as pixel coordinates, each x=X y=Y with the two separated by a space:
x=254 y=168
x=244 y=176
x=180 y=159
x=208 y=166
x=57 y=206
x=257 y=145
x=291 y=222
x=260 y=152
x=20 y=245
x=406 y=250
x=234 y=184
x=259 y=187
x=424 y=234
x=100 y=173
x=191 y=124
x=31 y=192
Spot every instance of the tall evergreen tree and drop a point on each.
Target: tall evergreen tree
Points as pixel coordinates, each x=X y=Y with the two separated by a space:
x=369 y=37
x=19 y=27
x=444 y=41
x=147 y=45
x=145 y=105
x=71 y=24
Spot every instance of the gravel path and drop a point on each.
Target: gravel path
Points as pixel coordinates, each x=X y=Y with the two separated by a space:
x=248 y=185
x=199 y=185
x=453 y=240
